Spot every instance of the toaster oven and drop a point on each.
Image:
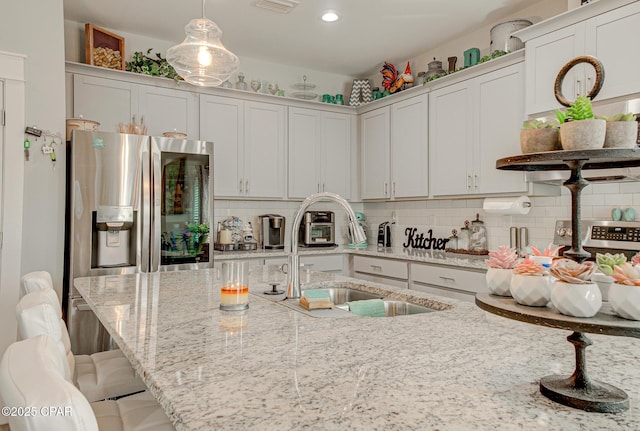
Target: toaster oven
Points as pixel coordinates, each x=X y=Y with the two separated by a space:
x=317 y=229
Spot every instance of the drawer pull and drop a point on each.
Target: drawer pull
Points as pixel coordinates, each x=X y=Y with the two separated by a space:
x=452 y=280
x=376 y=267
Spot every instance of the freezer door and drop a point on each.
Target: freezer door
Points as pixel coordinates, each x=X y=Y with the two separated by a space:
x=182 y=204
x=87 y=334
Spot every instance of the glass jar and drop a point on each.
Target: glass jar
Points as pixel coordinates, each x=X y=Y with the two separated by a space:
x=452 y=245
x=463 y=236
x=241 y=85
x=478 y=235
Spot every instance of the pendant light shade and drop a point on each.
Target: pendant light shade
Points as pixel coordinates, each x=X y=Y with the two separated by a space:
x=201 y=59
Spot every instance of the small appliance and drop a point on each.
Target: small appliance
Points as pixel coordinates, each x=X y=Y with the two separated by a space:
x=362 y=221
x=601 y=236
x=317 y=229
x=384 y=234
x=271 y=231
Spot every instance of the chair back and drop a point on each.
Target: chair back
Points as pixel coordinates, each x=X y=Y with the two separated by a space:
x=35 y=280
x=38 y=313
x=32 y=380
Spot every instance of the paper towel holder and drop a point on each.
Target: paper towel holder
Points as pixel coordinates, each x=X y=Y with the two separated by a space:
x=520 y=205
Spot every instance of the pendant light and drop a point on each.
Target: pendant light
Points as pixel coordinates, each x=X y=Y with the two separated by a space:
x=201 y=59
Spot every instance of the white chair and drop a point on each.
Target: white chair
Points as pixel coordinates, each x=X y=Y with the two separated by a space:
x=32 y=377
x=35 y=280
x=99 y=376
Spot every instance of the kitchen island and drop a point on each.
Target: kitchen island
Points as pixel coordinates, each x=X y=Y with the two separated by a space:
x=274 y=368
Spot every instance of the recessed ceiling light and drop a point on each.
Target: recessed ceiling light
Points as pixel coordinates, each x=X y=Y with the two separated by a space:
x=330 y=16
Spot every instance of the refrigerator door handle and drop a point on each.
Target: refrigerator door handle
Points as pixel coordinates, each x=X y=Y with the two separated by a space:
x=154 y=179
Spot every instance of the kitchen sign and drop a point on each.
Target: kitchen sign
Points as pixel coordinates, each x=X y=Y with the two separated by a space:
x=422 y=241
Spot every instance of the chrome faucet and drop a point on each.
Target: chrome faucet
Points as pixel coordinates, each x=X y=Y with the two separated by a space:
x=293 y=281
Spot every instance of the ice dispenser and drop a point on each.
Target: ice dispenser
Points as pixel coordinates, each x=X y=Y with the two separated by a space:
x=113 y=225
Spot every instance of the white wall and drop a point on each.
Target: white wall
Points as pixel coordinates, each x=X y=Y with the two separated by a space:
x=479 y=38
x=39 y=36
x=284 y=75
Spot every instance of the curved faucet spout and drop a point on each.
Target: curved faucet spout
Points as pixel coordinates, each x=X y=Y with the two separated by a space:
x=293 y=282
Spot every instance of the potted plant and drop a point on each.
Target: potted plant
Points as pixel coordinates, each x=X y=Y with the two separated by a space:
x=624 y=294
x=579 y=130
x=537 y=136
x=573 y=294
x=606 y=263
x=621 y=131
x=501 y=263
x=530 y=284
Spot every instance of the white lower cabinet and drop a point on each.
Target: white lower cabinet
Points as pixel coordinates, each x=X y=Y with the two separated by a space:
x=386 y=271
x=447 y=281
x=324 y=263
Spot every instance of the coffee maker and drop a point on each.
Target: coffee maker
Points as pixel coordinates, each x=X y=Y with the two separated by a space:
x=271 y=231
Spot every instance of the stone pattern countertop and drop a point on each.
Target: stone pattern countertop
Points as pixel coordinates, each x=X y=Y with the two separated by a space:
x=414 y=255
x=273 y=368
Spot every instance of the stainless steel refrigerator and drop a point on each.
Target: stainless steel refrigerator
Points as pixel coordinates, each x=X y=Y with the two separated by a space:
x=135 y=204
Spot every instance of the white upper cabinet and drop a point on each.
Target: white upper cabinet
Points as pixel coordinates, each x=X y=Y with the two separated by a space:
x=409 y=148
x=319 y=153
x=395 y=150
x=375 y=151
x=471 y=125
x=222 y=122
x=249 y=146
x=605 y=36
x=111 y=102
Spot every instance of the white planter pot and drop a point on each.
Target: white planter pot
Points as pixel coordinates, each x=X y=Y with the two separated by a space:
x=621 y=134
x=577 y=300
x=625 y=300
x=604 y=283
x=499 y=281
x=583 y=135
x=531 y=290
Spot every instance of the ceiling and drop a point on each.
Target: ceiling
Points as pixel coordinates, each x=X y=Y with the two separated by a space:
x=368 y=32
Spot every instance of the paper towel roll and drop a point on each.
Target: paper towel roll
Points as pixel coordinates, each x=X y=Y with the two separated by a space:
x=520 y=205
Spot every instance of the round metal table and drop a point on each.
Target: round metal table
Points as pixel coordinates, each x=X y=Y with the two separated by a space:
x=577 y=390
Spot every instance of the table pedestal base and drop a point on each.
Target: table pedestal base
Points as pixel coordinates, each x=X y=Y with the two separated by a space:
x=579 y=391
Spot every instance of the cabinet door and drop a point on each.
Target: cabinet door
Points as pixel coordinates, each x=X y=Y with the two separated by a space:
x=104 y=100
x=450 y=140
x=264 y=150
x=544 y=57
x=304 y=152
x=609 y=37
x=500 y=107
x=374 y=128
x=336 y=154
x=221 y=121
x=168 y=110
x=409 y=148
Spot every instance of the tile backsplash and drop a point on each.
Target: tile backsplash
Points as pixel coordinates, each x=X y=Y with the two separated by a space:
x=443 y=215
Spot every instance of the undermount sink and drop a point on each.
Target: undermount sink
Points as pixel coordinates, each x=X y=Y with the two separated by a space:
x=342 y=295
x=392 y=307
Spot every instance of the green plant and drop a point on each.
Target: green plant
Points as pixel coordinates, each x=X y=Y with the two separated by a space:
x=495 y=54
x=142 y=63
x=539 y=124
x=579 y=110
x=618 y=117
x=607 y=262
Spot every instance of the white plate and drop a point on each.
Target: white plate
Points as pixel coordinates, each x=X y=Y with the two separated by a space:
x=304 y=95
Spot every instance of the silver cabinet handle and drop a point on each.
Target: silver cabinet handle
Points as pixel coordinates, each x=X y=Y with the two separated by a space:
x=385 y=188
x=578 y=87
x=476 y=181
x=468 y=182
x=83 y=306
x=322 y=186
x=241 y=190
x=394 y=188
x=376 y=267
x=246 y=186
x=449 y=279
x=318 y=187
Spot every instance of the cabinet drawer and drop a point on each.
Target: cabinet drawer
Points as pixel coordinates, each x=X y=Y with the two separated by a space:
x=443 y=291
x=332 y=263
x=452 y=278
x=382 y=267
x=403 y=284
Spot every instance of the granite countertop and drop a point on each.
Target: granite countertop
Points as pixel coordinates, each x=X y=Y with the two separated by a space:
x=425 y=256
x=273 y=368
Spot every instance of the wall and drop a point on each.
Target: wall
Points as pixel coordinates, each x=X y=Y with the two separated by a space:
x=284 y=75
x=39 y=36
x=444 y=215
x=479 y=38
